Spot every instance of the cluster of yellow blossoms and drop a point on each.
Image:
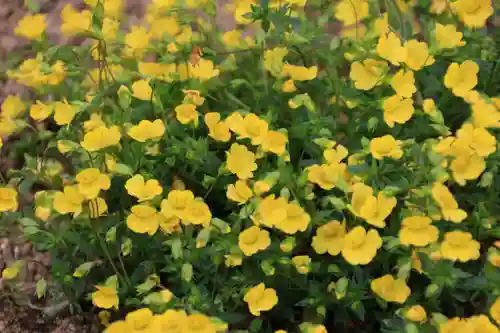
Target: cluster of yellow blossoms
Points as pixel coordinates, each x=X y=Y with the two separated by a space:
x=131 y=118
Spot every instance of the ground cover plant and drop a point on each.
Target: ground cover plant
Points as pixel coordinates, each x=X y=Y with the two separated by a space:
x=325 y=166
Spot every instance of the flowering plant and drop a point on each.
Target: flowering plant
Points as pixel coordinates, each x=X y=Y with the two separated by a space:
x=277 y=176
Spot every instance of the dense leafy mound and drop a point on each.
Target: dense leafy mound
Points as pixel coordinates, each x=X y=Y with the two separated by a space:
x=274 y=177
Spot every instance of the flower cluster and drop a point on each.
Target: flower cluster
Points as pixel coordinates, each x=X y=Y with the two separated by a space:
x=271 y=172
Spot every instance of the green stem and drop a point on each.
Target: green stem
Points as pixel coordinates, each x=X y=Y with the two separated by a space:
x=108 y=256
x=120 y=259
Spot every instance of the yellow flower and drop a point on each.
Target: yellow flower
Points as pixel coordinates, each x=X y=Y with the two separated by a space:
x=352 y=11
x=296 y=219
x=329 y=238
x=170 y=225
x=239 y=192
x=8 y=199
x=447 y=203
x=97 y=207
x=136 y=41
x=390 y=289
x=31 y=27
x=91 y=181
x=418 y=231
x=271 y=211
x=485 y=114
x=495 y=310
x=288 y=86
x=368 y=74
x=300 y=73
x=448 y=37
x=69 y=201
x=252 y=127
x=117 y=327
x=473 y=13
x=302 y=264
x=74 y=22
x=164 y=25
x=240 y=161
x=374 y=210
x=186 y=113
x=403 y=83
x=110 y=28
x=416 y=313
x=101 y=138
x=253 y=240
x=397 y=110
x=198 y=213
x=233 y=260
x=217 y=130
x=386 y=146
x=64 y=112
x=12 y=107
x=143 y=219
x=275 y=142
x=417 y=55
x=467 y=167
x=141 y=321
x=429 y=106
x=194 y=97
x=94 y=122
x=232 y=38
x=482 y=324
x=111 y=8
x=260 y=298
x=382 y=25
x=389 y=47
x=461 y=79
x=177 y=204
x=105 y=297
x=335 y=155
x=360 y=247
x=204 y=70
x=260 y=187
x=273 y=60
x=158 y=71
x=326 y=176
x=147 y=130
x=459 y=325
x=171 y=321
x=143 y=190
x=478 y=139
x=142 y=90
x=459 y=245
x=198 y=323
x=439 y=6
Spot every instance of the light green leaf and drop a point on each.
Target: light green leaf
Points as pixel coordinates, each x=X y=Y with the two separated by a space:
x=187 y=272
x=41 y=288
x=83 y=269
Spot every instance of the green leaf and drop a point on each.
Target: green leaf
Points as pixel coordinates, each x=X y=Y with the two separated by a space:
x=127 y=247
x=187 y=272
x=359 y=309
x=123 y=169
x=411 y=328
x=432 y=290
x=41 y=288
x=176 y=248
x=111 y=235
x=151 y=282
x=112 y=282
x=255 y=325
x=83 y=269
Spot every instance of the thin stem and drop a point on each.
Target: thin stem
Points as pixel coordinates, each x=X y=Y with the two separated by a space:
x=123 y=268
x=108 y=256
